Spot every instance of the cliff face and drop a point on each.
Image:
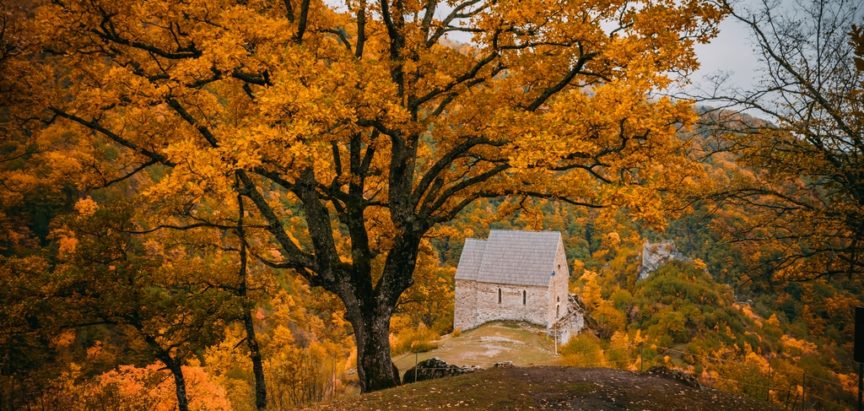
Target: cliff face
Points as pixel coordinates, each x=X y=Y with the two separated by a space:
x=656 y=254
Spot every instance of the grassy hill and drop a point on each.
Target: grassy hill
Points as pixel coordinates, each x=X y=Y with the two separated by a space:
x=553 y=388
x=536 y=381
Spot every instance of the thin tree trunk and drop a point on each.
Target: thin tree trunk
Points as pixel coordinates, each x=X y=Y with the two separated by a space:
x=257 y=363
x=179 y=384
x=173 y=364
x=251 y=340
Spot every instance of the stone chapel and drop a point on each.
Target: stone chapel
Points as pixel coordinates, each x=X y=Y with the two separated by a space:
x=514 y=275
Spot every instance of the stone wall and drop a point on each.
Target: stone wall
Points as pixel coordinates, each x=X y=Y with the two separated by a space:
x=465 y=306
x=559 y=292
x=477 y=303
x=573 y=323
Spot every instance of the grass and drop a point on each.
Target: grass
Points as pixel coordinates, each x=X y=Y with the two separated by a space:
x=553 y=388
x=522 y=344
x=536 y=382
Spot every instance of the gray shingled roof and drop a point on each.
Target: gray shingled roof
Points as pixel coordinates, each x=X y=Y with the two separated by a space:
x=472 y=256
x=510 y=257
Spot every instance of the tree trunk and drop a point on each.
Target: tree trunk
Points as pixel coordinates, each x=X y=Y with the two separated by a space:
x=375 y=369
x=369 y=312
x=251 y=340
x=173 y=364
x=257 y=363
x=179 y=384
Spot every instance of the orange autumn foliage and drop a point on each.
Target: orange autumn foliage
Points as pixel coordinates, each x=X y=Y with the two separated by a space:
x=149 y=387
x=351 y=133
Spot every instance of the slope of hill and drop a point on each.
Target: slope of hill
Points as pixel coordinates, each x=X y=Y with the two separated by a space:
x=554 y=388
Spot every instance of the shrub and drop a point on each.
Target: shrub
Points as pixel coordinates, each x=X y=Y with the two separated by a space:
x=583 y=350
x=419 y=339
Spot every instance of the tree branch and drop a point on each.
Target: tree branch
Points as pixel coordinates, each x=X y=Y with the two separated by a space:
x=94 y=126
x=551 y=91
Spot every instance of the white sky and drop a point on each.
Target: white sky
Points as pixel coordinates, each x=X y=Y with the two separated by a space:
x=731 y=54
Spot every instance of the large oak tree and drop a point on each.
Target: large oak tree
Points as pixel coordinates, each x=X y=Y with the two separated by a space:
x=351 y=131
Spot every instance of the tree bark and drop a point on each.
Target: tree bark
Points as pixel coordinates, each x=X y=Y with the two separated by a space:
x=179 y=383
x=257 y=362
x=370 y=313
x=251 y=339
x=172 y=363
x=375 y=369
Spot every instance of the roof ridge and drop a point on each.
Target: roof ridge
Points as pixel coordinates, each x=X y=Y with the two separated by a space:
x=520 y=257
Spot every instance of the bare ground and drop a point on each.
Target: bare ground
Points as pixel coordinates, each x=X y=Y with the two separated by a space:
x=522 y=344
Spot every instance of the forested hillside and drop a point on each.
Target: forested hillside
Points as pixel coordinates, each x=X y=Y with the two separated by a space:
x=718 y=316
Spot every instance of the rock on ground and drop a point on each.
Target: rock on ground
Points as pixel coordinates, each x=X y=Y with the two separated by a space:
x=434 y=368
x=682 y=377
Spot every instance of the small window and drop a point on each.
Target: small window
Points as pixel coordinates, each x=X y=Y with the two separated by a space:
x=559 y=267
x=524 y=297
x=557 y=311
x=499 y=296
x=558 y=299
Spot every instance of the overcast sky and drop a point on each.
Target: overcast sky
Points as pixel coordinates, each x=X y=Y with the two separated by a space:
x=730 y=53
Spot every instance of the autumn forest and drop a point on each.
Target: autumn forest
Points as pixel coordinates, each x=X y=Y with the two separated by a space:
x=259 y=204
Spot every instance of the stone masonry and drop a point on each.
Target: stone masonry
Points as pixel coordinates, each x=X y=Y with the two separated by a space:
x=513 y=275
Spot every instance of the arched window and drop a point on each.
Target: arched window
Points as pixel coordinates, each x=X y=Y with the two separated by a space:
x=558 y=299
x=524 y=297
x=499 y=296
x=557 y=311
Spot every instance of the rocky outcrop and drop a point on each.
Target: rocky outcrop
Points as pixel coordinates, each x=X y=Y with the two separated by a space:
x=434 y=368
x=682 y=377
x=656 y=254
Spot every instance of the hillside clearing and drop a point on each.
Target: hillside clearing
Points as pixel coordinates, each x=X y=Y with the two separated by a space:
x=520 y=343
